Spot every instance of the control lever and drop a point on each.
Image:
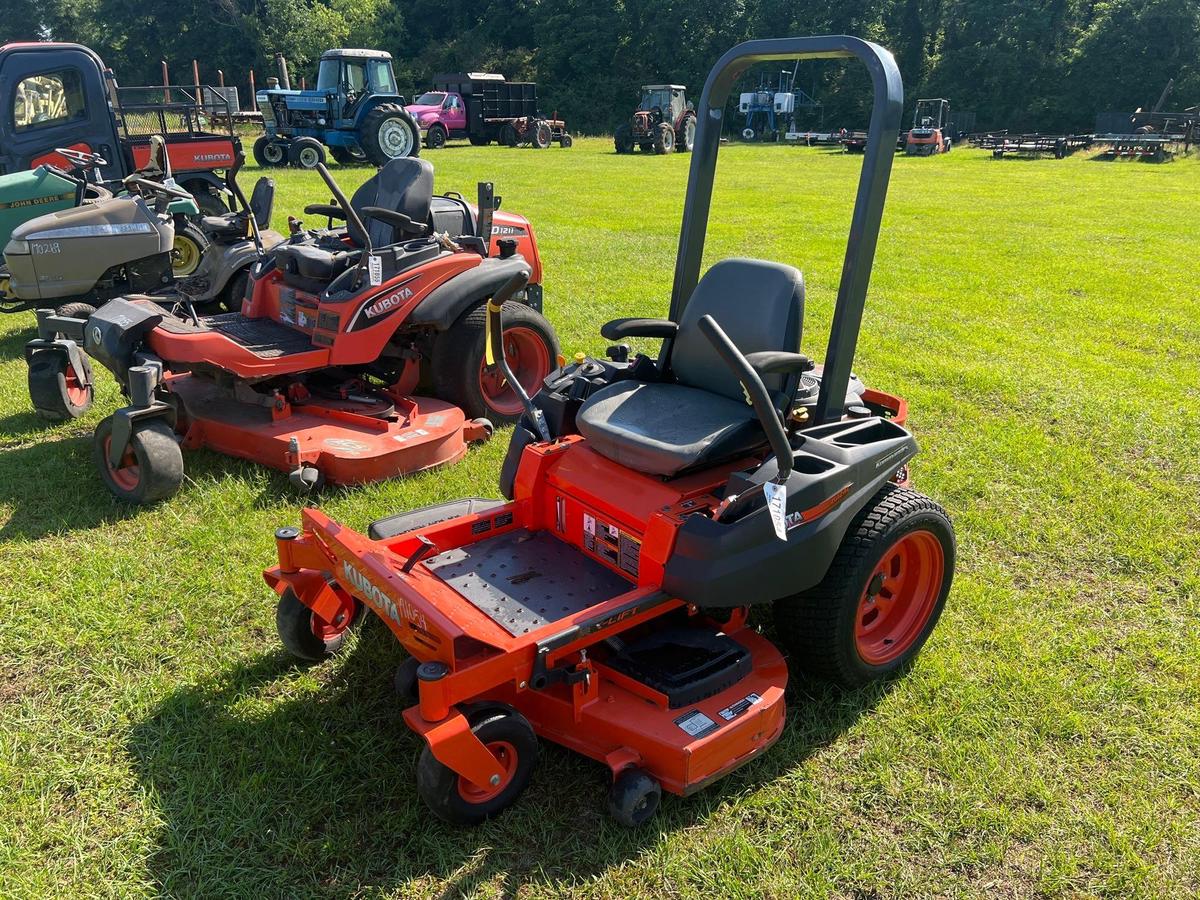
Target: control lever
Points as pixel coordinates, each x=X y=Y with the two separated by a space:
x=495 y=346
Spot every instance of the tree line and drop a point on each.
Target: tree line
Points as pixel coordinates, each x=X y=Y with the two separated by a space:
x=1047 y=65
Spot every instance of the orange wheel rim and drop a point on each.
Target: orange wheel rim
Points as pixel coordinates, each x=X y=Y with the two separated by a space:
x=529 y=359
x=342 y=619
x=506 y=756
x=899 y=598
x=77 y=392
x=127 y=473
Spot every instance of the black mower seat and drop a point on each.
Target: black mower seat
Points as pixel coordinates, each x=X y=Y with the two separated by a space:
x=702 y=417
x=236 y=225
x=404 y=185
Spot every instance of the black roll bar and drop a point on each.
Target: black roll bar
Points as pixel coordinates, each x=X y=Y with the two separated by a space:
x=887 y=108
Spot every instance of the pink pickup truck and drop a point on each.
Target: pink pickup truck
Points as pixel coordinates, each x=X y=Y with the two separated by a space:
x=483 y=107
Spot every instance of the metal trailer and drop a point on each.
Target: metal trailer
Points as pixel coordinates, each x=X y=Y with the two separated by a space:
x=1032 y=145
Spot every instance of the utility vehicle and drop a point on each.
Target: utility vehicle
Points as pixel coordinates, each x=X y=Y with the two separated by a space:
x=929 y=134
x=648 y=504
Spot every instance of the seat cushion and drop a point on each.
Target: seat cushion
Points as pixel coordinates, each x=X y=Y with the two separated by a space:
x=229 y=226
x=663 y=429
x=309 y=261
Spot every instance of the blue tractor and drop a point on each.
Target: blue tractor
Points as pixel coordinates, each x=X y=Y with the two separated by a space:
x=355 y=111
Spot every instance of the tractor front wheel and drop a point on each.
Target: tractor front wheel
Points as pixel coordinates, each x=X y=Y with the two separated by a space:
x=306 y=153
x=510 y=738
x=306 y=635
x=664 y=140
x=685 y=139
x=461 y=373
x=882 y=595
x=150 y=469
x=623 y=138
x=389 y=132
x=269 y=152
x=57 y=391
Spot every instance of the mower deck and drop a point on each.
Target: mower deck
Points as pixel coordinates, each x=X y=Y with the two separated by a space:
x=345 y=446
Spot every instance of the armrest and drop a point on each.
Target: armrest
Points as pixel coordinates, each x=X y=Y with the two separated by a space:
x=397 y=219
x=643 y=328
x=325 y=209
x=775 y=362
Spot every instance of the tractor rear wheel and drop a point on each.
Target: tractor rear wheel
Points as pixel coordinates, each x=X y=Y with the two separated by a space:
x=664 y=140
x=57 y=391
x=623 y=138
x=435 y=137
x=511 y=740
x=685 y=138
x=882 y=595
x=389 y=132
x=306 y=153
x=270 y=152
x=542 y=136
x=461 y=373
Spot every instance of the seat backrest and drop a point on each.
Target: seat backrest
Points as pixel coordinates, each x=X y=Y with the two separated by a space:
x=404 y=185
x=262 y=202
x=760 y=305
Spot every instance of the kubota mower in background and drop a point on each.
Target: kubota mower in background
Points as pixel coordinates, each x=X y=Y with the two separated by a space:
x=316 y=374
x=650 y=503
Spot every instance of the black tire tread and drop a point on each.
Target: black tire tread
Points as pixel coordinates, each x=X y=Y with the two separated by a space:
x=158 y=455
x=808 y=623
x=48 y=389
x=368 y=139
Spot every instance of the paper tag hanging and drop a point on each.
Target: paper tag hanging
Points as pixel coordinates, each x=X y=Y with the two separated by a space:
x=777 y=506
x=375 y=270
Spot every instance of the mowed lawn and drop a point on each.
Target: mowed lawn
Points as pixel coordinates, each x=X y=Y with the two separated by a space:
x=1043 y=320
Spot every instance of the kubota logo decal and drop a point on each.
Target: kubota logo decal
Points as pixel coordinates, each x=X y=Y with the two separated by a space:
x=396 y=610
x=388 y=303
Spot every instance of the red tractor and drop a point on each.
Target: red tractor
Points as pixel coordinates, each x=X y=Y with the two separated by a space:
x=664 y=121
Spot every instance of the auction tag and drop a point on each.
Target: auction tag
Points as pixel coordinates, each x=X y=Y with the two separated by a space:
x=375 y=270
x=777 y=507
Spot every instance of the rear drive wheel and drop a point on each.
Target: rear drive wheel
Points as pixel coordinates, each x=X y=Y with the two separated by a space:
x=270 y=152
x=306 y=635
x=623 y=138
x=389 y=132
x=881 y=597
x=435 y=137
x=150 y=469
x=510 y=738
x=306 y=153
x=57 y=391
x=187 y=250
x=230 y=299
x=542 y=136
x=461 y=373
x=634 y=797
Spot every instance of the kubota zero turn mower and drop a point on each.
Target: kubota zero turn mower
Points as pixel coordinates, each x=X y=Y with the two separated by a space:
x=315 y=374
x=650 y=503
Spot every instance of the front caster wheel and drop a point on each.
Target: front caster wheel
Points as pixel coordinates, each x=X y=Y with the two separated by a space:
x=882 y=595
x=150 y=469
x=634 y=797
x=57 y=391
x=510 y=739
x=306 y=635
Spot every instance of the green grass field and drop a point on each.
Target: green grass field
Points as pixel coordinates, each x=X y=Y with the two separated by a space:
x=1043 y=320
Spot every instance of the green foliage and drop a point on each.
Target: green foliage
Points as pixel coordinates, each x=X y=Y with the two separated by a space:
x=1019 y=64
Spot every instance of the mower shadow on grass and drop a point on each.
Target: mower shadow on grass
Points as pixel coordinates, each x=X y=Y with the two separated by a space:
x=51 y=486
x=276 y=780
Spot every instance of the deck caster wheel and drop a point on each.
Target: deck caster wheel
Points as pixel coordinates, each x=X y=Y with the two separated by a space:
x=634 y=797
x=152 y=466
x=882 y=595
x=481 y=430
x=306 y=477
x=306 y=635
x=75 y=310
x=510 y=738
x=57 y=391
x=405 y=680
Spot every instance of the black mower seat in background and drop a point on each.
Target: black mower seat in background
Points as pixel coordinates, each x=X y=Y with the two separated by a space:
x=702 y=417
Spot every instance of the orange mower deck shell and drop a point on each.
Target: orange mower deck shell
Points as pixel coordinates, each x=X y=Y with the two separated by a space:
x=611 y=718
